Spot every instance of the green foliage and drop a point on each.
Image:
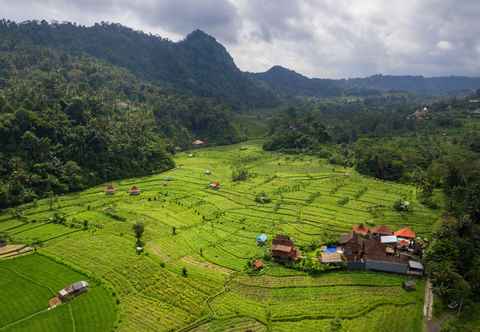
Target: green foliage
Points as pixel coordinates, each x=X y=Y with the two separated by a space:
x=262 y=198
x=138 y=229
x=240 y=174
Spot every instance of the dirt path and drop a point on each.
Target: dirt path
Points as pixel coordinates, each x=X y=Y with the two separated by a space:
x=428 y=309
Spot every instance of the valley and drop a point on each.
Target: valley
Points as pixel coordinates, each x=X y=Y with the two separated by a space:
x=193 y=272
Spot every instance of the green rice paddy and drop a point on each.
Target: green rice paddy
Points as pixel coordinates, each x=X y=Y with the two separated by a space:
x=214 y=240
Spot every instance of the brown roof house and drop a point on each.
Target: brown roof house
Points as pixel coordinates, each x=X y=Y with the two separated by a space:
x=381 y=230
x=361 y=230
x=134 y=191
x=283 y=249
x=110 y=190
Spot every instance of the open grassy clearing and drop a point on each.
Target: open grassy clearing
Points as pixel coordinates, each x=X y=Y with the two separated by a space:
x=215 y=239
x=28 y=283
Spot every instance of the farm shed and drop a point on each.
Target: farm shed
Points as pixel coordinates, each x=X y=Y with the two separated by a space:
x=198 y=142
x=331 y=258
x=415 y=268
x=361 y=230
x=134 y=191
x=409 y=285
x=214 y=185
x=74 y=289
x=405 y=233
x=110 y=190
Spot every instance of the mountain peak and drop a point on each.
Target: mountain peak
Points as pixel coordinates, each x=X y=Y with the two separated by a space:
x=199 y=35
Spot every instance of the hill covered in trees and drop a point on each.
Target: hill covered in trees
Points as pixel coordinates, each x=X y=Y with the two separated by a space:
x=198 y=64
x=69 y=121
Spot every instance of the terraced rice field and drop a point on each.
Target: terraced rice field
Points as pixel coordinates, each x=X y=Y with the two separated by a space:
x=215 y=240
x=27 y=283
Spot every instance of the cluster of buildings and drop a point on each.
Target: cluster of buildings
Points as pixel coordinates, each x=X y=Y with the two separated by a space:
x=378 y=249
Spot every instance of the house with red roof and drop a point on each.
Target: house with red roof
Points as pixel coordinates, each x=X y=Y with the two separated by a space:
x=406 y=233
x=258 y=264
x=214 y=185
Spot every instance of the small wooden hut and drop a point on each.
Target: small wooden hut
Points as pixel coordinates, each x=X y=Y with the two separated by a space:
x=134 y=191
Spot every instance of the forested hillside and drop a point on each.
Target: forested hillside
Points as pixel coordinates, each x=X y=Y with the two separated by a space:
x=198 y=64
x=69 y=121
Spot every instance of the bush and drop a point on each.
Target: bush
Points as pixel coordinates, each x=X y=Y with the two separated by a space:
x=402 y=205
x=240 y=174
x=262 y=198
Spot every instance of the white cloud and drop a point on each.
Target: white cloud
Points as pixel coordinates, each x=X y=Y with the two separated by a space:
x=321 y=38
x=444 y=45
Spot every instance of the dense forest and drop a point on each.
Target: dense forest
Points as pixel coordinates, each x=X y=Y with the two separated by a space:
x=68 y=121
x=198 y=64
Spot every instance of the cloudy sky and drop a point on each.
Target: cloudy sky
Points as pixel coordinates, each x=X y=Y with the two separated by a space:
x=319 y=38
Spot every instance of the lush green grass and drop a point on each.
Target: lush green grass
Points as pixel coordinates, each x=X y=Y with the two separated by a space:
x=28 y=283
x=215 y=239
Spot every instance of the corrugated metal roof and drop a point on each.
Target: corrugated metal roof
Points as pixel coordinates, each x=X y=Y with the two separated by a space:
x=388 y=239
x=415 y=265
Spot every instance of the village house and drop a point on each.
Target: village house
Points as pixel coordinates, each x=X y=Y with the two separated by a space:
x=382 y=251
x=110 y=190
x=214 y=185
x=361 y=230
x=73 y=290
x=381 y=230
x=198 y=142
x=134 y=191
x=283 y=249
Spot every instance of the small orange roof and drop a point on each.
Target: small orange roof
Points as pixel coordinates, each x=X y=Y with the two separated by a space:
x=258 y=264
x=360 y=229
x=406 y=233
x=134 y=188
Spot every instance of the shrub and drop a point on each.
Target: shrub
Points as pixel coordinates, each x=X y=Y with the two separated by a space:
x=240 y=174
x=262 y=198
x=401 y=205
x=342 y=201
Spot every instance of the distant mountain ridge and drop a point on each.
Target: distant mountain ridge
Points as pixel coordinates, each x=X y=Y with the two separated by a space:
x=201 y=66
x=290 y=83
